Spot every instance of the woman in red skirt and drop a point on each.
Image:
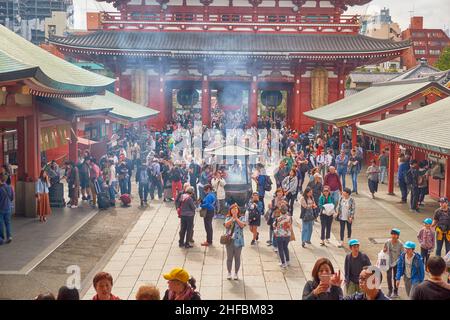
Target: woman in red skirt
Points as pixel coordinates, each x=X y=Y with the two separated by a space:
x=43 y=200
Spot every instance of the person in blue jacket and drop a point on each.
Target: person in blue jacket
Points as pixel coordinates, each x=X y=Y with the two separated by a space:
x=410 y=266
x=208 y=203
x=403 y=168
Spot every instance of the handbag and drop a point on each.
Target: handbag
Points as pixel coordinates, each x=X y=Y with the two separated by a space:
x=226 y=238
x=292 y=234
x=309 y=214
x=203 y=212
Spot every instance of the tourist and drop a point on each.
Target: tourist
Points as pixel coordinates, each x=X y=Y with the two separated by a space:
x=424 y=175
x=383 y=160
x=6 y=169
x=353 y=169
x=302 y=168
x=316 y=186
x=441 y=221
x=103 y=283
x=167 y=183
x=368 y=291
x=176 y=178
x=94 y=174
x=325 y=283
x=308 y=215
x=143 y=180
x=263 y=183
x=411 y=268
x=426 y=239
x=43 y=200
x=434 y=288
x=6 y=201
x=209 y=203
x=345 y=214
x=290 y=186
x=204 y=180
x=112 y=180
x=194 y=172
x=73 y=182
x=148 y=292
x=64 y=293
x=254 y=211
x=234 y=224
x=282 y=229
x=84 y=169
x=218 y=184
x=187 y=212
x=372 y=177
x=327 y=211
x=280 y=173
x=412 y=180
x=155 y=179
x=393 y=248
x=275 y=204
x=403 y=167
x=181 y=286
x=342 y=166
x=332 y=180
x=354 y=263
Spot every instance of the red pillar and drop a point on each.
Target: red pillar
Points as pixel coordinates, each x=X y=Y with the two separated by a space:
x=447 y=178
x=296 y=101
x=341 y=137
x=2 y=154
x=253 y=103
x=73 y=145
x=354 y=135
x=391 y=169
x=330 y=130
x=21 y=141
x=162 y=102
x=32 y=151
x=206 y=102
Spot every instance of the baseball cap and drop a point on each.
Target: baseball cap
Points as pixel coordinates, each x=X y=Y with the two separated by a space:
x=396 y=231
x=410 y=245
x=353 y=242
x=443 y=199
x=428 y=221
x=177 y=274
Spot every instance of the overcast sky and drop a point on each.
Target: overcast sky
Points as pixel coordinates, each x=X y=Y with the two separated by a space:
x=435 y=12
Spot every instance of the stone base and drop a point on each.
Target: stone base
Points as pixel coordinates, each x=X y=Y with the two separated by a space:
x=25 y=199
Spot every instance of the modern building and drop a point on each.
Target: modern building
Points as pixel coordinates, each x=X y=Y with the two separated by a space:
x=229 y=50
x=35 y=19
x=426 y=43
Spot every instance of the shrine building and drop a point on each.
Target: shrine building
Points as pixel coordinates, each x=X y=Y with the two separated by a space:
x=232 y=52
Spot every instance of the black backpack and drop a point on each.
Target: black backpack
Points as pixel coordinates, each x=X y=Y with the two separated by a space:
x=267 y=183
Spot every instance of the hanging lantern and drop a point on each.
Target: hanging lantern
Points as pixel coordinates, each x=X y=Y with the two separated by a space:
x=187 y=97
x=230 y=98
x=271 y=99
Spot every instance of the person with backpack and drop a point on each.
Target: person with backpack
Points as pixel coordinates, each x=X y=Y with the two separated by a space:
x=411 y=268
x=263 y=184
x=290 y=187
x=441 y=221
x=187 y=213
x=280 y=173
x=208 y=203
x=175 y=177
x=412 y=180
x=424 y=174
x=254 y=212
x=403 y=167
x=143 y=180
x=155 y=179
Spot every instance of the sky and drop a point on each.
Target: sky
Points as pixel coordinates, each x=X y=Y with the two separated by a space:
x=435 y=12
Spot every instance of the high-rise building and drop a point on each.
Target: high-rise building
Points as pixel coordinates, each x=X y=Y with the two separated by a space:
x=426 y=43
x=31 y=18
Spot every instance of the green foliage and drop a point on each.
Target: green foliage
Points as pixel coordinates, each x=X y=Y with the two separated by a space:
x=443 y=62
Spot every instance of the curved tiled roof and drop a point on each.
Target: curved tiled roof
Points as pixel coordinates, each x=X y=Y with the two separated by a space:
x=201 y=42
x=21 y=58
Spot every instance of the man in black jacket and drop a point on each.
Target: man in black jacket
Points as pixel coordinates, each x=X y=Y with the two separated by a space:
x=412 y=177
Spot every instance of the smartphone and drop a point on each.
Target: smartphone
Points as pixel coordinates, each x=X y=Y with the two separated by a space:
x=325 y=278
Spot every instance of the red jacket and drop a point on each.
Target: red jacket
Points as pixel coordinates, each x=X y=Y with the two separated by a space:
x=332 y=180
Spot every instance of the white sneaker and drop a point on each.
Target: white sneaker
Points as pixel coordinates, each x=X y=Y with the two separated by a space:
x=229 y=276
x=236 y=276
x=73 y=207
x=288 y=263
x=327 y=241
x=340 y=244
x=275 y=249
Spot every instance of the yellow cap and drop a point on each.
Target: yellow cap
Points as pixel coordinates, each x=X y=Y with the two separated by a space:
x=177 y=274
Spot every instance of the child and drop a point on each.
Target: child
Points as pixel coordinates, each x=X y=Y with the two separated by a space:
x=426 y=239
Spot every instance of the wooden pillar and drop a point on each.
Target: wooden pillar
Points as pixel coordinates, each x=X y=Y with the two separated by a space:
x=162 y=101
x=296 y=101
x=330 y=130
x=391 y=169
x=73 y=145
x=32 y=151
x=354 y=135
x=21 y=141
x=447 y=178
x=341 y=137
x=253 y=103
x=206 y=102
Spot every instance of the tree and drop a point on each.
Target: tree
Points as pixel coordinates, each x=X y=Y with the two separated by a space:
x=443 y=62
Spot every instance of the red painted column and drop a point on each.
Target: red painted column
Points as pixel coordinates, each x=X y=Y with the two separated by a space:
x=354 y=135
x=341 y=137
x=33 y=155
x=162 y=102
x=21 y=141
x=253 y=104
x=330 y=130
x=447 y=178
x=73 y=145
x=391 y=169
x=206 y=102
x=2 y=155
x=296 y=101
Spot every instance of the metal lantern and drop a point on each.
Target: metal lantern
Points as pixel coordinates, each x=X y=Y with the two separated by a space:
x=187 y=97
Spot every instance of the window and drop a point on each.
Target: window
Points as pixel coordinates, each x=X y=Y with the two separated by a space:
x=434 y=43
x=419 y=51
x=418 y=34
x=435 y=52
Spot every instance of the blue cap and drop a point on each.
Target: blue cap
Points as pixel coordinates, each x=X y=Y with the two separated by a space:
x=410 y=245
x=353 y=242
x=395 y=231
x=428 y=221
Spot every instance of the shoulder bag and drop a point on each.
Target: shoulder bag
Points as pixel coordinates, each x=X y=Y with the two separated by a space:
x=227 y=237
